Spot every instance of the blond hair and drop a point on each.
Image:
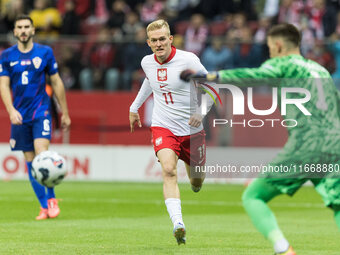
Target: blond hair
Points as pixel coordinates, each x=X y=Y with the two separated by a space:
x=158 y=24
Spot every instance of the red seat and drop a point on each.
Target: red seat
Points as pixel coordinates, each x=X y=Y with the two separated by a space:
x=89 y=29
x=181 y=27
x=253 y=25
x=218 y=28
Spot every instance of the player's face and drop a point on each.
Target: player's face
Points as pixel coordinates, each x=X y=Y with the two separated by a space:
x=274 y=47
x=160 y=43
x=23 y=30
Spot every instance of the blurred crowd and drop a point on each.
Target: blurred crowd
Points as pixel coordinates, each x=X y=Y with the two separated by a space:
x=99 y=43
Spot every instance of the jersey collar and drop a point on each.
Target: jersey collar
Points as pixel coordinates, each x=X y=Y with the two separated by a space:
x=26 y=51
x=171 y=56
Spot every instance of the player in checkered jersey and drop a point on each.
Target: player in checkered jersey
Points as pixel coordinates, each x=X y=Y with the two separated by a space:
x=177 y=129
x=23 y=69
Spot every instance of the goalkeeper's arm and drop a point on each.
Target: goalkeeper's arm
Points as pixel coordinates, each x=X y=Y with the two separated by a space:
x=242 y=76
x=188 y=74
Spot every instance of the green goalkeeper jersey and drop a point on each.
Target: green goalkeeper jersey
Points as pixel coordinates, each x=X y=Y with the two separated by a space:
x=294 y=71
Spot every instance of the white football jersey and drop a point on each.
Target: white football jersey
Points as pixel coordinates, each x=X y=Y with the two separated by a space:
x=174 y=100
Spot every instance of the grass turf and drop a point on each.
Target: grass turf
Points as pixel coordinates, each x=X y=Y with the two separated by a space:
x=131 y=218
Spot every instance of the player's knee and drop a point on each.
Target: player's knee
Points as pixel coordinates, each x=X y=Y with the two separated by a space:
x=248 y=196
x=169 y=170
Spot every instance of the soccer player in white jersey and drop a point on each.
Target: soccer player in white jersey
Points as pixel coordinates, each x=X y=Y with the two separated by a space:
x=177 y=130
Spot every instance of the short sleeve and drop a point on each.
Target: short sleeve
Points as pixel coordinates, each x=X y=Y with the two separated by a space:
x=3 y=67
x=52 y=66
x=195 y=64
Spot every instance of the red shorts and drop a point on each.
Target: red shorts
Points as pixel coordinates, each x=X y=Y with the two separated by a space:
x=190 y=148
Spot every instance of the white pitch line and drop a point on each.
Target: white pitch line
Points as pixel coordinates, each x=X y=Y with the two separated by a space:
x=161 y=202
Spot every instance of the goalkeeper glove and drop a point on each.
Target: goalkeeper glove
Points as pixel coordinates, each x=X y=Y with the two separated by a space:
x=188 y=74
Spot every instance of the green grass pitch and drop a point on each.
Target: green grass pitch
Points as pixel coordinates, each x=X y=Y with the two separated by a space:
x=131 y=218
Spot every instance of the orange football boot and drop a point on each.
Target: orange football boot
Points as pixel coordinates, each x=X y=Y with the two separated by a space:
x=53 y=208
x=290 y=251
x=43 y=214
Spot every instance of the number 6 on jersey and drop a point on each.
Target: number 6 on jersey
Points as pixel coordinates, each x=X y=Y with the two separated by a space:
x=24 y=78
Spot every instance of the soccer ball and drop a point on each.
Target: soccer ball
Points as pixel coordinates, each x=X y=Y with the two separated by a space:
x=49 y=168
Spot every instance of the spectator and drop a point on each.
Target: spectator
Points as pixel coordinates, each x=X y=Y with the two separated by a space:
x=150 y=10
x=316 y=20
x=322 y=19
x=337 y=28
x=246 y=53
x=178 y=41
x=100 y=64
x=238 y=23
x=228 y=20
x=69 y=66
x=290 y=12
x=99 y=12
x=307 y=36
x=131 y=25
x=196 y=34
x=118 y=12
x=335 y=49
x=210 y=9
x=134 y=4
x=11 y=10
x=46 y=19
x=82 y=7
x=180 y=10
x=321 y=56
x=270 y=8
x=131 y=57
x=71 y=20
x=261 y=33
x=247 y=7
x=217 y=56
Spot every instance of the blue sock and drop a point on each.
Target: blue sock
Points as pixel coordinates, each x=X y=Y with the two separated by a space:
x=50 y=193
x=39 y=189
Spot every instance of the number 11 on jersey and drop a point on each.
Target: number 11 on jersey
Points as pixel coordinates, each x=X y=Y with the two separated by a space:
x=166 y=95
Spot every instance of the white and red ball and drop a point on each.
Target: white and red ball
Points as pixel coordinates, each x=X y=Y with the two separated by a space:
x=49 y=168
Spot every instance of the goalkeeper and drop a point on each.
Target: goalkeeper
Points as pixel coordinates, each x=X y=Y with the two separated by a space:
x=315 y=140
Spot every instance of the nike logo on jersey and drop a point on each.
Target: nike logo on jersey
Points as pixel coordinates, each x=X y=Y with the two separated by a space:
x=162 y=86
x=13 y=63
x=45 y=133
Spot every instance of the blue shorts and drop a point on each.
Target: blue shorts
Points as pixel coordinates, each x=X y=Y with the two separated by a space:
x=23 y=136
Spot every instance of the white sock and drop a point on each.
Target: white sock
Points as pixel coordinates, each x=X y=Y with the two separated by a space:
x=281 y=245
x=173 y=205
